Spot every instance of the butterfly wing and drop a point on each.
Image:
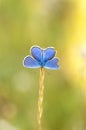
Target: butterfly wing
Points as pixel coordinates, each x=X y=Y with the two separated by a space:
x=37 y=53
x=30 y=62
x=48 y=54
x=52 y=64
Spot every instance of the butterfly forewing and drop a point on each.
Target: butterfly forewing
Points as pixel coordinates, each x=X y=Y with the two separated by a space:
x=36 y=52
x=48 y=54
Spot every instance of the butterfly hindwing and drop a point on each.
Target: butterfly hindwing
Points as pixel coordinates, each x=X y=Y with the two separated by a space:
x=30 y=62
x=48 y=54
x=36 y=52
x=52 y=64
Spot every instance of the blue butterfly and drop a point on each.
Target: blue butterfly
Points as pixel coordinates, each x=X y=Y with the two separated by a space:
x=41 y=58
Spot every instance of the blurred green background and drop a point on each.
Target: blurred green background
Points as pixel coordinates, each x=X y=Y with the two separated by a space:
x=58 y=23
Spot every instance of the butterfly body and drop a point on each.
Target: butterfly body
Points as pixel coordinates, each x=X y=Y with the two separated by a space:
x=41 y=58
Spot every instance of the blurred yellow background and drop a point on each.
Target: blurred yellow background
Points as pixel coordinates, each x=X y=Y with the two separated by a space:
x=58 y=23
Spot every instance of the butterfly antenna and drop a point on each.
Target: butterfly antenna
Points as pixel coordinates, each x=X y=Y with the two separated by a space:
x=40 y=100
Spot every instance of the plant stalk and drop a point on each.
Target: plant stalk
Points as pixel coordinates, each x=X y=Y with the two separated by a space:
x=40 y=100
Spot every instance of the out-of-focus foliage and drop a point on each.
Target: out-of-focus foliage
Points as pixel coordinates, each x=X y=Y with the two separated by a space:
x=58 y=23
